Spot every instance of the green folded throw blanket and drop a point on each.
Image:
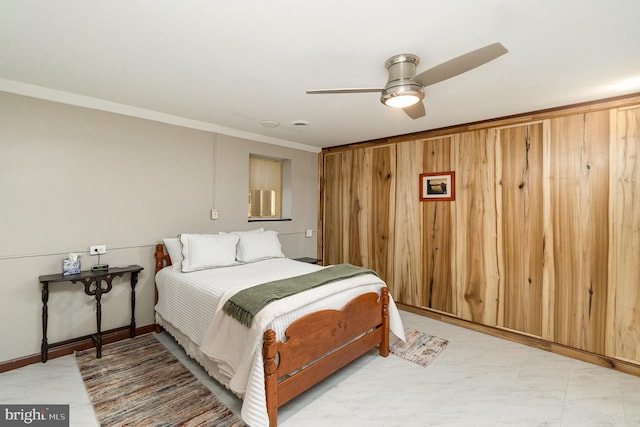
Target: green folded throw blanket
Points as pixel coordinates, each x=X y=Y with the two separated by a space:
x=245 y=304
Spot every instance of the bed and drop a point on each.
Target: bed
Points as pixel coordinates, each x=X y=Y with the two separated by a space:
x=291 y=344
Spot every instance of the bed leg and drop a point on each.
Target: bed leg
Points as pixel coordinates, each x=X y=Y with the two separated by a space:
x=269 y=352
x=384 y=343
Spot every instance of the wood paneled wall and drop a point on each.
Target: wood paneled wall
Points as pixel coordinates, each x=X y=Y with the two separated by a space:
x=542 y=239
x=359 y=220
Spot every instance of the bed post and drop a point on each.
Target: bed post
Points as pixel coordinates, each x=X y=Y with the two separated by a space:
x=384 y=343
x=160 y=258
x=269 y=352
x=159 y=255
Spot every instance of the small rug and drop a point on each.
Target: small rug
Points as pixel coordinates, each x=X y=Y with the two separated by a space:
x=138 y=382
x=420 y=348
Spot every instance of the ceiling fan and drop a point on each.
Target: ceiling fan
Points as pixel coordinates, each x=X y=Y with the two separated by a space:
x=405 y=89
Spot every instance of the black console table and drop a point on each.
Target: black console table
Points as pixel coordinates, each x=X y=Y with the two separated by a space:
x=95 y=283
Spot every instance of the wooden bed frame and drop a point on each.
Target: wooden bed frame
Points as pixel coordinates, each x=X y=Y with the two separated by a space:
x=317 y=344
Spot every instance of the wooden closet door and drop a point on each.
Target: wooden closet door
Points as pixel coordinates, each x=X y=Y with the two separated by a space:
x=624 y=336
x=579 y=213
x=380 y=174
x=332 y=221
x=408 y=272
x=519 y=201
x=344 y=213
x=477 y=272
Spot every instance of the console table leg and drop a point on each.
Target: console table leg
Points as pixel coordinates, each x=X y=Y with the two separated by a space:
x=132 y=327
x=44 y=348
x=98 y=320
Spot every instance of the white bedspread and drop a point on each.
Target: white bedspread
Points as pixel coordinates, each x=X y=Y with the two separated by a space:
x=196 y=310
x=189 y=300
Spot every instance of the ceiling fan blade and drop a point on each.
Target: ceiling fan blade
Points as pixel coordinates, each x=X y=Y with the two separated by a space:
x=346 y=90
x=415 y=111
x=460 y=64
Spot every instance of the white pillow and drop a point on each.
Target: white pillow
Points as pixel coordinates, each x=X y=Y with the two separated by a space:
x=174 y=249
x=255 y=246
x=202 y=251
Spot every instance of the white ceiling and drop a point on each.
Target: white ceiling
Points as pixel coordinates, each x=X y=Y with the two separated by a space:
x=226 y=66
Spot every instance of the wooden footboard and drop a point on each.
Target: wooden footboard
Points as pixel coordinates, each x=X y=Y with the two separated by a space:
x=319 y=344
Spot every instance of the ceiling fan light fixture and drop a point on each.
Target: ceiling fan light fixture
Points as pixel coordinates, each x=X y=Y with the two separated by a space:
x=404 y=88
x=402 y=96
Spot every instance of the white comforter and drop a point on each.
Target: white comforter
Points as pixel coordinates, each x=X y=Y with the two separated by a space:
x=196 y=310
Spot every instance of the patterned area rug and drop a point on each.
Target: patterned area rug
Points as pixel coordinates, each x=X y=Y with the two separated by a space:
x=138 y=382
x=420 y=348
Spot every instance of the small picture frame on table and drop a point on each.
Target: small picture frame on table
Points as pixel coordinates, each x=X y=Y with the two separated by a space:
x=439 y=186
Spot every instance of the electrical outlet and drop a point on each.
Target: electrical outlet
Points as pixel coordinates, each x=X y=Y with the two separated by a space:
x=97 y=250
x=308 y=233
x=214 y=213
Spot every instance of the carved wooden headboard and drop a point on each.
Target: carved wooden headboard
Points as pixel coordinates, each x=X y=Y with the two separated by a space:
x=162 y=259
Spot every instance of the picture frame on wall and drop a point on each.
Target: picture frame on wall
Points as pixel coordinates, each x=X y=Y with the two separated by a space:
x=439 y=186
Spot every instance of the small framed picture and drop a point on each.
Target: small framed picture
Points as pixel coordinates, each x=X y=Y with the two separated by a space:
x=440 y=186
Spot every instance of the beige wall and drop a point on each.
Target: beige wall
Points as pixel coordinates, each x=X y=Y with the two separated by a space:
x=71 y=177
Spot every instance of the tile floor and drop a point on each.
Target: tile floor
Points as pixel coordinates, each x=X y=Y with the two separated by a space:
x=478 y=380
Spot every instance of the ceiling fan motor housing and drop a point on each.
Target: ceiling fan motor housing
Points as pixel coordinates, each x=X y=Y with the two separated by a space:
x=402 y=69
